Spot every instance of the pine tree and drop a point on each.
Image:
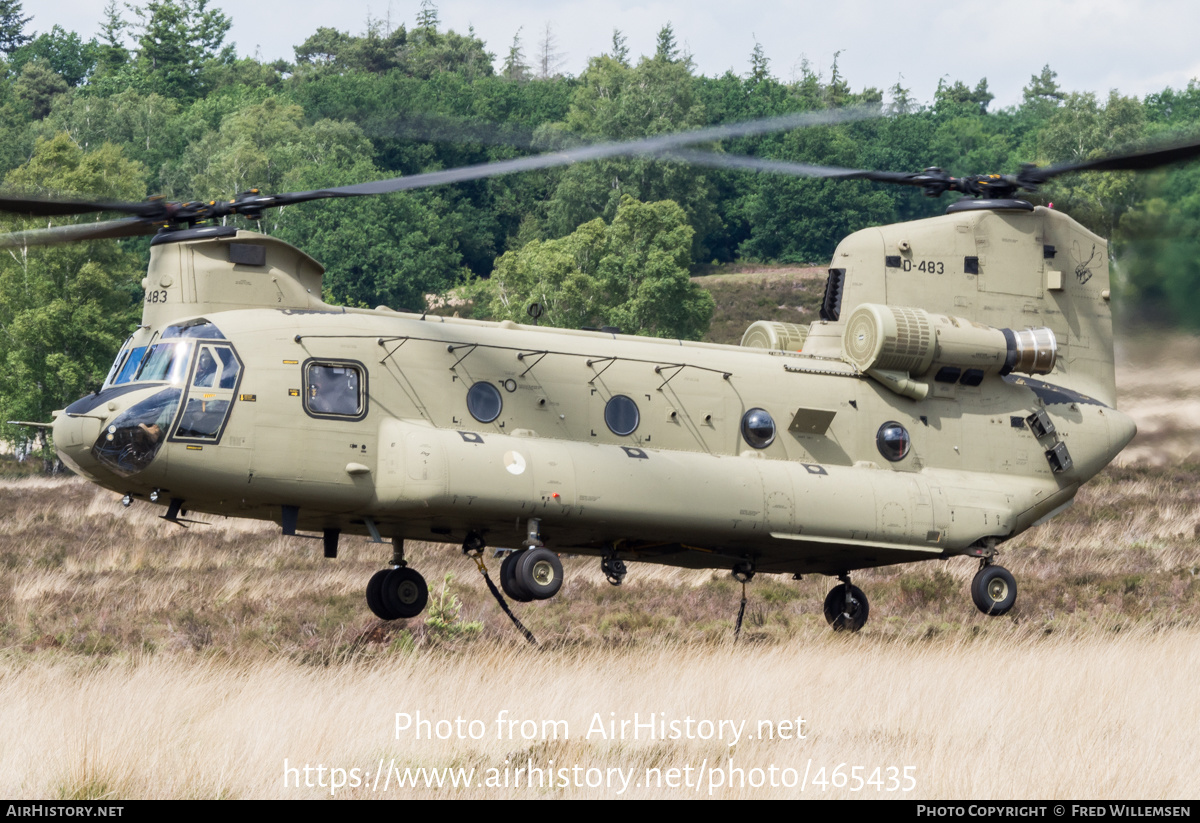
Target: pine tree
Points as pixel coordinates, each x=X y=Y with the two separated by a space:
x=12 y=26
x=620 y=51
x=759 y=64
x=666 y=49
x=515 y=67
x=427 y=17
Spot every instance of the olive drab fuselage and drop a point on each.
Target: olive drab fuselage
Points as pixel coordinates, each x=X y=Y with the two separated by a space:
x=958 y=391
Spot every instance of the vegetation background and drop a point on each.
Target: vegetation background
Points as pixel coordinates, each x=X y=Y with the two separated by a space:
x=138 y=659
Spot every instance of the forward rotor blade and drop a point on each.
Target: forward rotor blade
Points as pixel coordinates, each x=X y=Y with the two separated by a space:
x=101 y=230
x=648 y=146
x=45 y=207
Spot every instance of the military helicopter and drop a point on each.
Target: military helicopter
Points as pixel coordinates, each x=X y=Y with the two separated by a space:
x=957 y=390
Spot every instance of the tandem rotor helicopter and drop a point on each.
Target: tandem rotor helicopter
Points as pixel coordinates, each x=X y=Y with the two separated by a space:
x=957 y=390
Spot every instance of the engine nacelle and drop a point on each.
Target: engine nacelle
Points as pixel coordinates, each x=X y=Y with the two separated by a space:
x=771 y=334
x=902 y=341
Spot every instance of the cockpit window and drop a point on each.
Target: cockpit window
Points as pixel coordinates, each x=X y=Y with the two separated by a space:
x=130 y=442
x=210 y=396
x=167 y=361
x=216 y=368
x=197 y=329
x=130 y=366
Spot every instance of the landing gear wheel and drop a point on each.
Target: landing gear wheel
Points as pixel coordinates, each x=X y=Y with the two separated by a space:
x=404 y=593
x=994 y=590
x=614 y=570
x=375 y=595
x=508 y=578
x=846 y=608
x=540 y=573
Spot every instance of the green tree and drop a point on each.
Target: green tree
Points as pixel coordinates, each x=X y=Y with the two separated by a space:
x=12 y=26
x=665 y=47
x=632 y=274
x=959 y=99
x=615 y=102
x=1043 y=95
x=1082 y=128
x=112 y=52
x=37 y=86
x=178 y=41
x=515 y=67
x=760 y=66
x=63 y=51
x=64 y=310
x=620 y=48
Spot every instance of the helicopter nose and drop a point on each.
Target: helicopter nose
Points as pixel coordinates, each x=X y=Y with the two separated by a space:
x=73 y=439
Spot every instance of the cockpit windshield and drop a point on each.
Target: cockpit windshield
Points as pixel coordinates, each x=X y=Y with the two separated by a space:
x=125 y=366
x=167 y=361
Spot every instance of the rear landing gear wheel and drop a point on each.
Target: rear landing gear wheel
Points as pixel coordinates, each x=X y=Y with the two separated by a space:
x=540 y=573
x=508 y=578
x=846 y=608
x=994 y=590
x=404 y=593
x=614 y=570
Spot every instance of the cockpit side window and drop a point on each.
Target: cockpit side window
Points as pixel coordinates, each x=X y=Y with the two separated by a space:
x=210 y=396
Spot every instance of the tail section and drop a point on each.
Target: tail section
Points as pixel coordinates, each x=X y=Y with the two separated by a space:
x=1003 y=264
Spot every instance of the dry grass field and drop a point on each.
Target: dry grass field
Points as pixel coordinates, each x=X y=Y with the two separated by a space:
x=139 y=659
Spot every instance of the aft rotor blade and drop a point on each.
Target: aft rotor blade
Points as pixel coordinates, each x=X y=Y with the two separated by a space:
x=101 y=230
x=1139 y=161
x=718 y=160
x=932 y=180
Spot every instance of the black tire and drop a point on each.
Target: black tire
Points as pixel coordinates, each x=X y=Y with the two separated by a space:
x=539 y=572
x=404 y=593
x=375 y=595
x=994 y=590
x=508 y=578
x=846 y=608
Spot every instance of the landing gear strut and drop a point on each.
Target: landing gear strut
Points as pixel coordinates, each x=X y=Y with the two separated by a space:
x=846 y=607
x=994 y=589
x=397 y=593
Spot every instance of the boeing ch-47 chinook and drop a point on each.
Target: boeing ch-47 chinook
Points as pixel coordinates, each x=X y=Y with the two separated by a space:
x=957 y=390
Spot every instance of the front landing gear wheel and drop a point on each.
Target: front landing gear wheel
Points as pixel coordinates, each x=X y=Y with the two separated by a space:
x=404 y=593
x=994 y=590
x=846 y=608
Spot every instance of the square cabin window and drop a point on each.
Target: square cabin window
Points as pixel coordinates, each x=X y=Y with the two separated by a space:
x=335 y=390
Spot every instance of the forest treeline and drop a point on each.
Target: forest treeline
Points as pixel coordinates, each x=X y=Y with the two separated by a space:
x=158 y=102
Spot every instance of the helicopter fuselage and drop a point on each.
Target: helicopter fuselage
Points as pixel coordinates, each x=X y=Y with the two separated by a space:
x=250 y=397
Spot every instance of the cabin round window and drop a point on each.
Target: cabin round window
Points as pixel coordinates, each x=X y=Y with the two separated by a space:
x=893 y=441
x=758 y=428
x=621 y=415
x=484 y=402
